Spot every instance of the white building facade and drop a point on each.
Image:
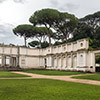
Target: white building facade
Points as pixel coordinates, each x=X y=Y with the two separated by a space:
x=73 y=56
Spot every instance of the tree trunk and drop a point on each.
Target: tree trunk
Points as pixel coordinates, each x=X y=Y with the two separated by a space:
x=49 y=40
x=49 y=36
x=66 y=37
x=40 y=44
x=25 y=40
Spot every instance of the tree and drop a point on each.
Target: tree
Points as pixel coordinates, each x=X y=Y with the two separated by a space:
x=46 y=17
x=44 y=44
x=24 y=30
x=83 y=31
x=65 y=25
x=98 y=59
x=92 y=20
x=34 y=44
x=89 y=27
x=41 y=33
x=57 y=43
x=97 y=33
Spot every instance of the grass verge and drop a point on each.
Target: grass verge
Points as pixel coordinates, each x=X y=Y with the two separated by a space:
x=89 y=77
x=52 y=72
x=5 y=74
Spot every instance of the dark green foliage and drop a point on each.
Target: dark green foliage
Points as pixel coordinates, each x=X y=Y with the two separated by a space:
x=65 y=25
x=44 y=44
x=37 y=44
x=41 y=31
x=83 y=31
x=97 y=57
x=92 y=20
x=24 y=30
x=46 y=17
x=57 y=43
x=62 y=23
x=89 y=27
x=34 y=44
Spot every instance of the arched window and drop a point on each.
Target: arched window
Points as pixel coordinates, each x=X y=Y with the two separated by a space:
x=81 y=60
x=81 y=44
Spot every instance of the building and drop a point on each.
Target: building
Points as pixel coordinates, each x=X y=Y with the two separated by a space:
x=73 y=56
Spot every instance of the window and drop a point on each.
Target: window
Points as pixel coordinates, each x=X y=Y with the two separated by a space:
x=81 y=44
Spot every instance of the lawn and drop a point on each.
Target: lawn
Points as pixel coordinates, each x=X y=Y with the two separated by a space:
x=4 y=74
x=52 y=72
x=89 y=77
x=47 y=89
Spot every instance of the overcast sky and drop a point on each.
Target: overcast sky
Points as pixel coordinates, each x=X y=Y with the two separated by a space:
x=15 y=12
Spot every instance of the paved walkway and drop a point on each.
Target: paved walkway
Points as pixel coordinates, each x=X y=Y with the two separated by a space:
x=64 y=78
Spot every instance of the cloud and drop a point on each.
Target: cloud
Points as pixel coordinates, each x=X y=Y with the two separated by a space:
x=19 y=1
x=63 y=6
x=16 y=1
x=54 y=2
x=69 y=7
x=2 y=1
x=7 y=36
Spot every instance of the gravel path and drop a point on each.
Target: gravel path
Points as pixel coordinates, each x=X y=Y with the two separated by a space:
x=64 y=78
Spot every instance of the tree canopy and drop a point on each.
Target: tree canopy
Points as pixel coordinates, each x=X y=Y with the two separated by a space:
x=51 y=24
x=46 y=17
x=24 y=30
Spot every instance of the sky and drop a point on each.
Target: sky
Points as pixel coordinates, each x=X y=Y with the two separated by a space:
x=16 y=12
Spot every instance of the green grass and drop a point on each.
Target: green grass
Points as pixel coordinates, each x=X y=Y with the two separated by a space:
x=89 y=77
x=4 y=74
x=47 y=89
x=52 y=72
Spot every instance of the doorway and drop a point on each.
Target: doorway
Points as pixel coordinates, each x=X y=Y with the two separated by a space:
x=45 y=62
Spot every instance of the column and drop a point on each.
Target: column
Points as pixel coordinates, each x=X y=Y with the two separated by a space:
x=71 y=60
x=85 y=59
x=78 y=59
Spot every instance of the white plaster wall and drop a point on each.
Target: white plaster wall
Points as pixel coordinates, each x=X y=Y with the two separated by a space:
x=1 y=50
x=75 y=46
x=81 y=60
x=68 y=47
x=64 y=62
x=32 y=52
x=55 y=62
x=41 y=61
x=23 y=51
x=14 y=50
x=69 y=61
x=7 y=50
x=74 y=61
x=59 y=63
x=32 y=62
x=7 y=60
x=22 y=62
x=49 y=61
x=0 y=60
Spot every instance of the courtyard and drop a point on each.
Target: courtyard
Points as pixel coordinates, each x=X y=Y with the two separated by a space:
x=41 y=85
